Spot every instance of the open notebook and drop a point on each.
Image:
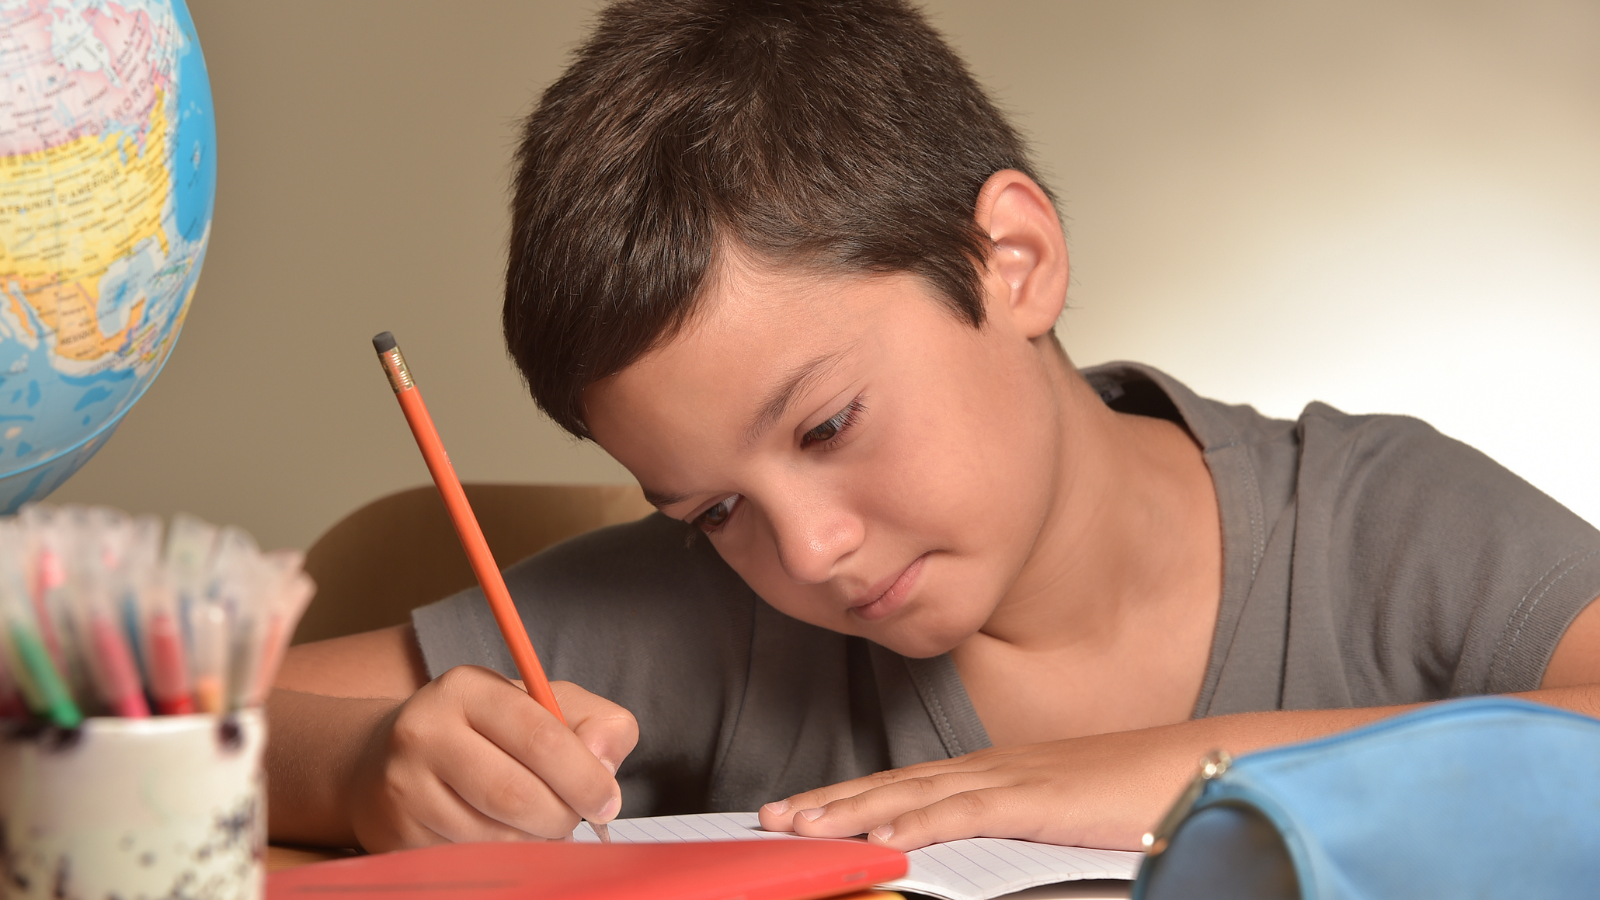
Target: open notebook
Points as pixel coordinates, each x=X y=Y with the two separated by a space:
x=960 y=870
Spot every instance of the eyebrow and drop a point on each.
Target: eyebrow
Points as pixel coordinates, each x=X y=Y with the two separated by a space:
x=772 y=409
x=777 y=402
x=659 y=500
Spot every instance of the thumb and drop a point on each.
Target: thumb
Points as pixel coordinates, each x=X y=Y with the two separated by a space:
x=608 y=730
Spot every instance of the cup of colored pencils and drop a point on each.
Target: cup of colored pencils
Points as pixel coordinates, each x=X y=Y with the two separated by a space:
x=134 y=659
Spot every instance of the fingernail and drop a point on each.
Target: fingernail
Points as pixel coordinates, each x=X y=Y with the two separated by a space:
x=777 y=807
x=812 y=814
x=610 y=810
x=883 y=833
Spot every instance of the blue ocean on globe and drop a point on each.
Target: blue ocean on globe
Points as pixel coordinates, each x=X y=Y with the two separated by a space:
x=107 y=186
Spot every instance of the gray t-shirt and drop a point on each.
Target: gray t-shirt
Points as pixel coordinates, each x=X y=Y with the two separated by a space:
x=1368 y=560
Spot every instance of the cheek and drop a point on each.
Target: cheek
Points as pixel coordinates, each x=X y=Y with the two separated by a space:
x=808 y=603
x=969 y=465
x=794 y=601
x=751 y=551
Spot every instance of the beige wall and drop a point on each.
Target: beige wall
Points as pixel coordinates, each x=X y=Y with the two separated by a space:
x=1391 y=207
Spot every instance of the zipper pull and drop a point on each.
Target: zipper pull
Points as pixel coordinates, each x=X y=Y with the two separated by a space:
x=1211 y=767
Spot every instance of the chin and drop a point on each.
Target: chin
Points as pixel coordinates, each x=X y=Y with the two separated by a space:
x=918 y=640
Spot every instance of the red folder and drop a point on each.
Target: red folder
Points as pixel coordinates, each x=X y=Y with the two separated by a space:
x=744 y=870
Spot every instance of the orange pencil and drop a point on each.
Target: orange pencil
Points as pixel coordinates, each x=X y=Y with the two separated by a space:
x=455 y=500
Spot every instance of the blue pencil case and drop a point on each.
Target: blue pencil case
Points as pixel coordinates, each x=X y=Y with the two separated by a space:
x=1484 y=797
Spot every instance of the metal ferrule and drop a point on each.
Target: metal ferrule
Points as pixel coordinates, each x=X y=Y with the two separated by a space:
x=394 y=366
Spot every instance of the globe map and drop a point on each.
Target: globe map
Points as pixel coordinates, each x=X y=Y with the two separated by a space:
x=107 y=182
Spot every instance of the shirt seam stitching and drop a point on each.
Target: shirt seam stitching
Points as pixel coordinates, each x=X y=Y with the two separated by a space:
x=1507 y=645
x=930 y=698
x=1256 y=516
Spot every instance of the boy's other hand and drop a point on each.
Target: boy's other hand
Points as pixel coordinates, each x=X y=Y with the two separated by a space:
x=1100 y=791
x=471 y=757
x=1103 y=790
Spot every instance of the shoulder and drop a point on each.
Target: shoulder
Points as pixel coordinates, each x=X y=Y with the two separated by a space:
x=1399 y=473
x=1442 y=555
x=650 y=585
x=637 y=563
x=1217 y=426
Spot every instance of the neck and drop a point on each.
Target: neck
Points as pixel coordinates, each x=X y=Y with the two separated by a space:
x=1133 y=529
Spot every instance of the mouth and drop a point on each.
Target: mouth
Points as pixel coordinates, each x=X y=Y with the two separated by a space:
x=885 y=599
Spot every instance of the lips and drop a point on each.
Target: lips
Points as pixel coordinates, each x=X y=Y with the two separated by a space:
x=890 y=594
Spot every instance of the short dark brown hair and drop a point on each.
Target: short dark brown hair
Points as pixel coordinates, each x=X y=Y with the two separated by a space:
x=834 y=134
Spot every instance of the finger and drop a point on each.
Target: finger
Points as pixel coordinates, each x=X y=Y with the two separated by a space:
x=407 y=835
x=1002 y=812
x=496 y=788
x=452 y=818
x=398 y=830
x=445 y=773
x=609 y=731
x=419 y=810
x=779 y=815
x=861 y=813
x=530 y=734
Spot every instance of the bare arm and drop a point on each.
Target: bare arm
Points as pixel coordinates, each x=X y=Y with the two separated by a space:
x=1105 y=790
x=365 y=750
x=312 y=756
x=382 y=663
x=328 y=699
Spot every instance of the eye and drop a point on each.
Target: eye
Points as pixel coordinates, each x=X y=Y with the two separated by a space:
x=834 y=427
x=712 y=519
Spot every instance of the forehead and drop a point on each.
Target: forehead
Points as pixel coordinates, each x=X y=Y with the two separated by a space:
x=745 y=299
x=753 y=326
x=755 y=329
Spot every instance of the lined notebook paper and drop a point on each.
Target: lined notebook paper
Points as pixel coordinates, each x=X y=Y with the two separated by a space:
x=960 y=870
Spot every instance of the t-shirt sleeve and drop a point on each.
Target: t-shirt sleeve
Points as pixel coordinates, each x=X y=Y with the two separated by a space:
x=641 y=614
x=1448 y=575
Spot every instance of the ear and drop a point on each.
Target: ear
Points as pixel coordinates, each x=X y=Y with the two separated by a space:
x=1026 y=278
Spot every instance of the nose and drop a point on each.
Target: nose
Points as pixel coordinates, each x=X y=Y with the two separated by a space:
x=812 y=534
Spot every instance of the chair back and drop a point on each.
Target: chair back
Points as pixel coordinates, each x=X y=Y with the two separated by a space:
x=400 y=552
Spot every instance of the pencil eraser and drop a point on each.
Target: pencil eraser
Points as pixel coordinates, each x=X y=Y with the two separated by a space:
x=383 y=341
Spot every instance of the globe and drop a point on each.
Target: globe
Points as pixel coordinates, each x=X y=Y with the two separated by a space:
x=107 y=180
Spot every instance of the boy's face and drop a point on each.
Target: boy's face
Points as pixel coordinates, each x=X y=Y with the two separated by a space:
x=866 y=461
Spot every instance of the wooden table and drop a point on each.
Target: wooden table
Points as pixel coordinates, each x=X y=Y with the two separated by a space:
x=283 y=857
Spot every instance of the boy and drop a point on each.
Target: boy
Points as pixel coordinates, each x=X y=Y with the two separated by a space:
x=787 y=264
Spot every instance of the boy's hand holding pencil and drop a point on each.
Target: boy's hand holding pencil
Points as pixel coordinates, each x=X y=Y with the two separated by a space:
x=470 y=757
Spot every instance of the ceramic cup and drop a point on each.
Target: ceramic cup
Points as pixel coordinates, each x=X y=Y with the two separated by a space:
x=165 y=807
